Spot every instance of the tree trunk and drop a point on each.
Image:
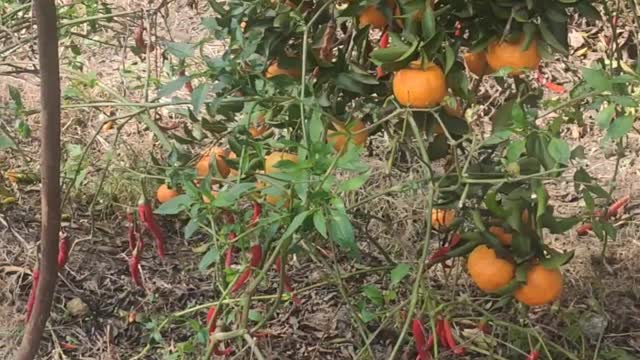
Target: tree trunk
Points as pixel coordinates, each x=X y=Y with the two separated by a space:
x=46 y=20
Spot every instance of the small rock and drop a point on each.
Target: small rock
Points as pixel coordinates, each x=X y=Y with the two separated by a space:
x=77 y=308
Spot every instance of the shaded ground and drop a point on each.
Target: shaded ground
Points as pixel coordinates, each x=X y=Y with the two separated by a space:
x=599 y=309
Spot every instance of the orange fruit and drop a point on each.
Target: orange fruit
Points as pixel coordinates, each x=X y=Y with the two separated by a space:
x=340 y=137
x=165 y=193
x=543 y=286
x=202 y=167
x=259 y=127
x=420 y=86
x=488 y=271
x=206 y=199
x=373 y=16
x=502 y=235
x=107 y=126
x=271 y=199
x=508 y=54
x=476 y=63
x=272 y=159
x=441 y=219
x=274 y=69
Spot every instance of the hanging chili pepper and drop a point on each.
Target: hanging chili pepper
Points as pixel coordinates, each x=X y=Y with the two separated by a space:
x=228 y=259
x=458 y=31
x=443 y=251
x=133 y=236
x=448 y=336
x=212 y=319
x=420 y=338
x=32 y=294
x=533 y=355
x=255 y=217
x=134 y=270
x=384 y=43
x=612 y=211
x=287 y=283
x=63 y=251
x=256 y=258
x=440 y=333
x=146 y=216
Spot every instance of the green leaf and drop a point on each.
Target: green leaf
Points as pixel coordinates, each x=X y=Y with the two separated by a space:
x=450 y=58
x=603 y=119
x=514 y=150
x=557 y=259
x=212 y=256
x=399 y=272
x=373 y=294
x=320 y=222
x=625 y=101
x=597 y=79
x=497 y=137
x=517 y=116
x=198 y=97
x=23 y=129
x=502 y=119
x=559 y=150
x=172 y=86
x=316 y=126
x=346 y=81
x=428 y=24
x=6 y=142
x=295 y=223
x=355 y=182
x=550 y=38
x=15 y=95
x=620 y=127
x=387 y=55
x=174 y=206
x=180 y=50
x=255 y=315
x=341 y=230
x=191 y=228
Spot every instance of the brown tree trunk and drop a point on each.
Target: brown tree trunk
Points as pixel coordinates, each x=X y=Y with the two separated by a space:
x=46 y=20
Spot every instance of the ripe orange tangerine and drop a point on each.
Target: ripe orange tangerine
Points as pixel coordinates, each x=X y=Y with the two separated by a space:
x=476 y=63
x=340 y=137
x=274 y=69
x=441 y=219
x=509 y=54
x=202 y=167
x=488 y=271
x=165 y=193
x=502 y=235
x=272 y=159
x=543 y=286
x=420 y=86
x=259 y=127
x=373 y=16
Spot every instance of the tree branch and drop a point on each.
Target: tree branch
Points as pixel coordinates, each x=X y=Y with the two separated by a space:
x=46 y=18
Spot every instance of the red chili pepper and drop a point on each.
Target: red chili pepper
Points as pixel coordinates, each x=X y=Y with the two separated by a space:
x=287 y=283
x=212 y=319
x=133 y=236
x=188 y=85
x=443 y=251
x=558 y=89
x=228 y=259
x=256 y=258
x=146 y=216
x=384 y=43
x=134 y=270
x=533 y=355
x=612 y=211
x=257 y=211
x=63 y=251
x=32 y=294
x=440 y=333
x=421 y=342
x=448 y=336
